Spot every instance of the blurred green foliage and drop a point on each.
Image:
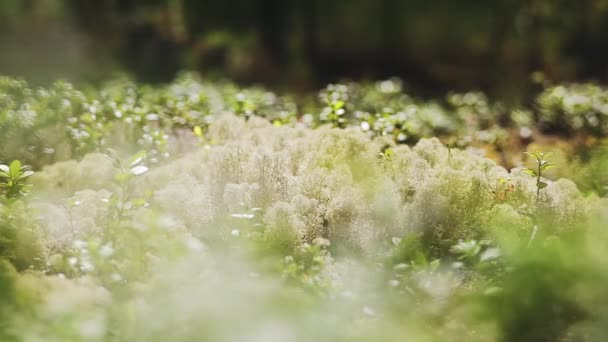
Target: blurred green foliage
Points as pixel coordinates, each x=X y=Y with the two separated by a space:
x=43 y=125
x=201 y=209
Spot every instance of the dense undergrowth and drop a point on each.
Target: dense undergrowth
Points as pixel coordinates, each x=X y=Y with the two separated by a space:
x=199 y=211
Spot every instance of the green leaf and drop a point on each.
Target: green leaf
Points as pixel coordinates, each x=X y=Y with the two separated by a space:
x=533 y=154
x=26 y=174
x=112 y=155
x=137 y=158
x=139 y=170
x=338 y=104
x=530 y=172
x=15 y=169
x=541 y=185
x=419 y=258
x=136 y=161
x=547 y=166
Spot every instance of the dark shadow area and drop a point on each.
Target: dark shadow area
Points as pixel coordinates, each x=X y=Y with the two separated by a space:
x=302 y=44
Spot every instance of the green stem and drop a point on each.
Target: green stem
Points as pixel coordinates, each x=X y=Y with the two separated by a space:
x=537 y=184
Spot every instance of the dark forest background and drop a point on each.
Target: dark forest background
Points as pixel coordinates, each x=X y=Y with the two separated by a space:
x=497 y=46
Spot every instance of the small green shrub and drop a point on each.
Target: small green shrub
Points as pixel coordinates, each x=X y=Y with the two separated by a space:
x=541 y=165
x=13 y=179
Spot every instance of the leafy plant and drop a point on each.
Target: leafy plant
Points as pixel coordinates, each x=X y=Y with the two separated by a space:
x=466 y=249
x=304 y=267
x=541 y=165
x=13 y=179
x=126 y=171
x=334 y=98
